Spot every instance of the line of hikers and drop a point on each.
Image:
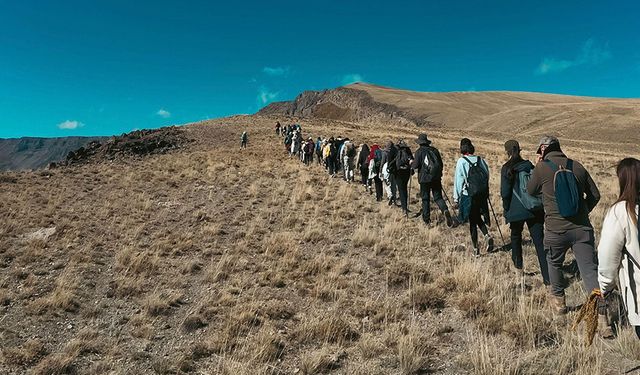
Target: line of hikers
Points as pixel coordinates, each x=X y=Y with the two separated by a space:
x=553 y=199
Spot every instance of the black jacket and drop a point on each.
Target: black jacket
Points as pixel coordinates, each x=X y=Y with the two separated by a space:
x=362 y=158
x=424 y=177
x=514 y=210
x=389 y=156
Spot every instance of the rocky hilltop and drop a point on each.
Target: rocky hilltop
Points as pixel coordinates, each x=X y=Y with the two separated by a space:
x=497 y=112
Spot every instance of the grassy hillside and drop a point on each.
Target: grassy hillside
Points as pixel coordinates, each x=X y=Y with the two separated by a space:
x=209 y=259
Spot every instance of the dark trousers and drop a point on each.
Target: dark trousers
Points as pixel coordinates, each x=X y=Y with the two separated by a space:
x=476 y=221
x=319 y=155
x=582 y=242
x=402 y=180
x=426 y=189
x=378 y=184
x=394 y=187
x=536 y=230
x=364 y=172
x=333 y=165
x=243 y=144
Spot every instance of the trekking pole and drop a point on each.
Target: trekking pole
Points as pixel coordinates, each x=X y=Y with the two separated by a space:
x=495 y=217
x=446 y=196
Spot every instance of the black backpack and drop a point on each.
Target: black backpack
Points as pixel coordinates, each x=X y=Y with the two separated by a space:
x=402 y=160
x=431 y=166
x=477 y=179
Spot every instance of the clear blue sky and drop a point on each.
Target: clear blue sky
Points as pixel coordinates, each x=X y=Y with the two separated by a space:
x=106 y=67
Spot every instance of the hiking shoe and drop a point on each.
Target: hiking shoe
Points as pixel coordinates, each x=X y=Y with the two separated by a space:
x=558 y=304
x=490 y=244
x=476 y=252
x=391 y=201
x=604 y=329
x=449 y=219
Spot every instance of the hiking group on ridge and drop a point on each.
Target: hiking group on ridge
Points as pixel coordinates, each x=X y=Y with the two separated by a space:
x=552 y=198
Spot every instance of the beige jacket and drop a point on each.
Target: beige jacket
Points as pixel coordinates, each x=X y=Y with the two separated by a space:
x=619 y=257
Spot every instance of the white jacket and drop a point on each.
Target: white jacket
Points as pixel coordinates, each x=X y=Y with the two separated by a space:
x=619 y=257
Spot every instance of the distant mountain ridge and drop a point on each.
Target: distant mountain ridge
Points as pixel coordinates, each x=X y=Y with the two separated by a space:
x=34 y=153
x=507 y=112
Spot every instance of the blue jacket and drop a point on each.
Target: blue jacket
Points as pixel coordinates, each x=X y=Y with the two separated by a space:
x=460 y=177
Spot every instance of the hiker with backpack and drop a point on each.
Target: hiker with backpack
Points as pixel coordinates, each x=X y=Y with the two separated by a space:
x=471 y=194
x=348 y=160
x=309 y=149
x=375 y=160
x=429 y=164
x=618 y=250
x=403 y=173
x=520 y=208
x=569 y=194
x=278 y=128
x=243 y=139
x=363 y=165
x=390 y=153
x=319 y=150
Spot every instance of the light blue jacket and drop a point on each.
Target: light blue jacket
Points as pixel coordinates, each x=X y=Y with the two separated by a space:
x=462 y=171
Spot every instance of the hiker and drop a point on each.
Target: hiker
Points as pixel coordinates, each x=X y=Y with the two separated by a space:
x=520 y=208
x=319 y=150
x=471 y=194
x=374 y=160
x=403 y=173
x=278 y=128
x=569 y=194
x=363 y=165
x=389 y=157
x=429 y=164
x=330 y=156
x=288 y=139
x=309 y=149
x=243 y=139
x=349 y=161
x=618 y=251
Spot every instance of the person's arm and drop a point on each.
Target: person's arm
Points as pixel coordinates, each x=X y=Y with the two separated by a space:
x=458 y=181
x=506 y=188
x=534 y=186
x=592 y=193
x=612 y=241
x=415 y=164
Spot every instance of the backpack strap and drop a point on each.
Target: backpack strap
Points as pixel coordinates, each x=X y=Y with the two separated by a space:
x=554 y=167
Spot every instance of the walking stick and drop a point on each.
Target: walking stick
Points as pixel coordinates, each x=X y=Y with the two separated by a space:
x=408 y=196
x=495 y=217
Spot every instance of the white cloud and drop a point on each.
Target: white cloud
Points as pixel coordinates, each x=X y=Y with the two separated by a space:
x=163 y=113
x=590 y=54
x=265 y=96
x=348 y=79
x=276 y=71
x=70 y=125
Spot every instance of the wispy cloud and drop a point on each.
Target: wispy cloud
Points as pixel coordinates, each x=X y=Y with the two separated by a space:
x=163 y=113
x=70 y=125
x=591 y=53
x=276 y=71
x=266 y=96
x=348 y=79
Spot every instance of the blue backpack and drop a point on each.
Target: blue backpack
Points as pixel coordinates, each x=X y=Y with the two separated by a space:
x=530 y=202
x=566 y=189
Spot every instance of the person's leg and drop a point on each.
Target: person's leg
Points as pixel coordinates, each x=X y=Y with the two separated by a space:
x=536 y=230
x=436 y=188
x=584 y=250
x=425 y=192
x=556 y=246
x=364 y=173
x=392 y=180
x=402 y=182
x=637 y=328
x=474 y=217
x=378 y=183
x=516 y=243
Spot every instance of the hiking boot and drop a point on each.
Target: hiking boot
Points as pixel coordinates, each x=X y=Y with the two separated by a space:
x=392 y=201
x=476 y=252
x=604 y=329
x=449 y=219
x=490 y=244
x=558 y=305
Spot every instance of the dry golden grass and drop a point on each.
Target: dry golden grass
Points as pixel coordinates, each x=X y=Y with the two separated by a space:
x=211 y=260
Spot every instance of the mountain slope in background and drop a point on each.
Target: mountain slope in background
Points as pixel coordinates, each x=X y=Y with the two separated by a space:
x=511 y=113
x=33 y=153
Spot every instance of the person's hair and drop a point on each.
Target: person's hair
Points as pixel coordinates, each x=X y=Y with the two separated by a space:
x=466 y=147
x=514 y=159
x=628 y=172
